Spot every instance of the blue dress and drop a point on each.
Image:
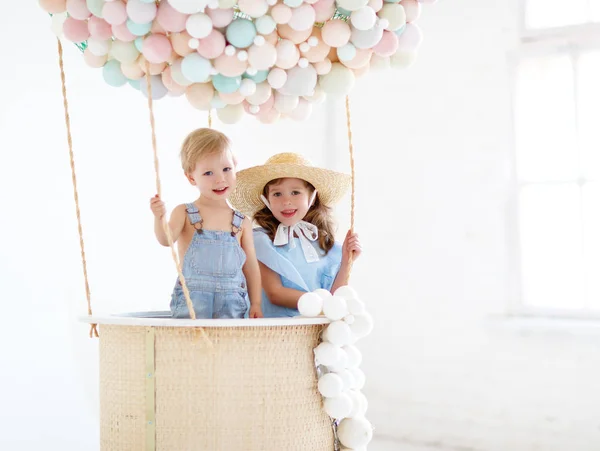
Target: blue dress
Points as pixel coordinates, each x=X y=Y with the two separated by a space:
x=289 y=262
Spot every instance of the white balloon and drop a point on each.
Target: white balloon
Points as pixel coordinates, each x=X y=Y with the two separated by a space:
x=355 y=306
x=403 y=59
x=328 y=354
x=338 y=407
x=330 y=385
x=265 y=25
x=363 y=18
x=199 y=25
x=339 y=333
x=359 y=378
x=300 y=81
x=354 y=356
x=317 y=97
x=277 y=78
x=303 y=18
x=348 y=378
x=141 y=12
x=395 y=15
x=359 y=404
x=124 y=52
x=309 y=304
x=248 y=87
x=366 y=39
x=347 y=292
x=99 y=47
x=177 y=74
x=57 y=22
x=363 y=324
x=355 y=432
x=335 y=307
x=323 y=293
x=188 y=6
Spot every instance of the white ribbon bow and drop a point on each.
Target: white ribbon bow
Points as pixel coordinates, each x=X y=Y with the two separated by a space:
x=305 y=231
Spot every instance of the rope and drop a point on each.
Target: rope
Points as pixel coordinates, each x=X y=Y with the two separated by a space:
x=165 y=224
x=93 y=327
x=209 y=118
x=353 y=173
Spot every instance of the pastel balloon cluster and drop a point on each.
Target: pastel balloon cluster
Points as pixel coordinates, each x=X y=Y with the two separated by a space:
x=338 y=361
x=267 y=58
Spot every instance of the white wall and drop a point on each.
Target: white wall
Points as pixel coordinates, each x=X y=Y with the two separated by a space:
x=445 y=367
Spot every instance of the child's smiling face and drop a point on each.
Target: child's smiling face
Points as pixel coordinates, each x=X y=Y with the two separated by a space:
x=289 y=199
x=214 y=175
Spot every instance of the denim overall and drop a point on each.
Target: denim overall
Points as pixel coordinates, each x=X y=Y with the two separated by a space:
x=212 y=267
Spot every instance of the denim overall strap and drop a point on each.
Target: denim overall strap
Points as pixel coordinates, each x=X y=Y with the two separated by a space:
x=236 y=223
x=194 y=216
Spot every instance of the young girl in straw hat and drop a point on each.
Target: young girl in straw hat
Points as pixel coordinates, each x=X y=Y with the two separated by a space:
x=219 y=264
x=291 y=201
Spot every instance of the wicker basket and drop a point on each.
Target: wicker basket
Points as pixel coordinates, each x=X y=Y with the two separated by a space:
x=251 y=386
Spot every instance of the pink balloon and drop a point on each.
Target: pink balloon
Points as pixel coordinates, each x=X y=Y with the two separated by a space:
x=76 y=30
x=411 y=37
x=122 y=33
x=220 y=17
x=170 y=84
x=412 y=8
x=54 y=6
x=156 y=48
x=99 y=28
x=281 y=13
x=169 y=18
x=388 y=44
x=78 y=9
x=268 y=117
x=114 y=12
x=213 y=45
x=324 y=10
x=230 y=66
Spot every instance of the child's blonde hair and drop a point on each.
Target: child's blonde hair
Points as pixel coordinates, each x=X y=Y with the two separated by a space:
x=201 y=143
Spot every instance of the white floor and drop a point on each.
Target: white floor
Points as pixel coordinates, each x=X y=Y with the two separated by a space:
x=384 y=445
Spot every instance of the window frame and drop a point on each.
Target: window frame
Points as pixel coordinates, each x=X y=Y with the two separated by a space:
x=572 y=40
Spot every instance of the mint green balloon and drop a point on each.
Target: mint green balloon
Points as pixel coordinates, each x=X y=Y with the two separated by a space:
x=112 y=74
x=195 y=68
x=260 y=76
x=95 y=7
x=135 y=84
x=139 y=42
x=138 y=29
x=226 y=85
x=241 y=33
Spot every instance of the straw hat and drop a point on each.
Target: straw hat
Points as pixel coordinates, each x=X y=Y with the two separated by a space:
x=330 y=185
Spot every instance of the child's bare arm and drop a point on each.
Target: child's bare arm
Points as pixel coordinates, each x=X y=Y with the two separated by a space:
x=276 y=292
x=251 y=270
x=351 y=246
x=175 y=224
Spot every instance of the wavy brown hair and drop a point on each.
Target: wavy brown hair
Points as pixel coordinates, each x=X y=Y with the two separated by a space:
x=318 y=214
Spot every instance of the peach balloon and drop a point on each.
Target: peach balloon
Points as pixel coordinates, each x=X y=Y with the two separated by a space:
x=180 y=41
x=362 y=57
x=362 y=71
x=336 y=33
x=94 y=60
x=297 y=37
x=53 y=6
x=262 y=57
x=155 y=68
x=213 y=45
x=230 y=66
x=320 y=51
x=200 y=94
x=272 y=38
x=323 y=67
x=133 y=71
x=281 y=13
x=170 y=84
x=231 y=98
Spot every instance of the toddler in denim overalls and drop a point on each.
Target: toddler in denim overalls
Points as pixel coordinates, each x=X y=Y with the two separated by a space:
x=219 y=262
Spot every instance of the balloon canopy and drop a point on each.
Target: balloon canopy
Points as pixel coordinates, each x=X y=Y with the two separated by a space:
x=266 y=58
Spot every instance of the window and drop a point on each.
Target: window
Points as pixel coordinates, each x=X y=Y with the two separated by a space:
x=557 y=141
x=540 y=14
